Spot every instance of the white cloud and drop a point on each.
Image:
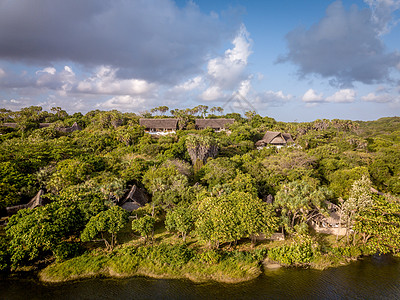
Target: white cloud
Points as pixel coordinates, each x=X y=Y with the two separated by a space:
x=105 y=81
x=312 y=97
x=342 y=96
x=380 y=98
x=271 y=98
x=2 y=73
x=226 y=73
x=48 y=70
x=190 y=84
x=212 y=93
x=123 y=103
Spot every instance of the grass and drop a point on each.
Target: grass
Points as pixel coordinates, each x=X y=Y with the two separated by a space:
x=167 y=257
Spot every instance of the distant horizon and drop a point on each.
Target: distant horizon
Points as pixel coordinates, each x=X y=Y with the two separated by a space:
x=168 y=114
x=290 y=60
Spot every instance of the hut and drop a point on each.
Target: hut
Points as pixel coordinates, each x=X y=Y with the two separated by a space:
x=134 y=199
x=10 y=125
x=159 y=126
x=74 y=127
x=35 y=202
x=331 y=223
x=274 y=138
x=216 y=124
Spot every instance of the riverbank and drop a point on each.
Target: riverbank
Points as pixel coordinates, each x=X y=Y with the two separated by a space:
x=159 y=261
x=180 y=261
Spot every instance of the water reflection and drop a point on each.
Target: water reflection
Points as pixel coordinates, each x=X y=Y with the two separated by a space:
x=373 y=278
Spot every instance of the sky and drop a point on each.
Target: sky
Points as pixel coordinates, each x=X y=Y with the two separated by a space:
x=290 y=60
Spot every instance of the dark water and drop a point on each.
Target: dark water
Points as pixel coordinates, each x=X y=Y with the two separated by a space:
x=372 y=278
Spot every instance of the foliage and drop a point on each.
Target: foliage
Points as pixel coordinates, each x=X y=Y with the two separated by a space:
x=301 y=251
x=144 y=225
x=379 y=225
x=300 y=202
x=228 y=218
x=44 y=229
x=110 y=221
x=180 y=219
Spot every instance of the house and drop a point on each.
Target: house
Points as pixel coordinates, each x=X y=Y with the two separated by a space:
x=216 y=124
x=35 y=202
x=73 y=128
x=274 y=138
x=159 y=126
x=134 y=199
x=330 y=224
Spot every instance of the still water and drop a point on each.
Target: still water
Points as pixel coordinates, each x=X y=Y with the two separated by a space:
x=371 y=278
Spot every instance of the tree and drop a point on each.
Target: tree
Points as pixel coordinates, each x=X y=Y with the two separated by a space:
x=106 y=222
x=200 y=148
x=180 y=219
x=144 y=225
x=300 y=202
x=379 y=225
x=228 y=218
x=43 y=229
x=360 y=199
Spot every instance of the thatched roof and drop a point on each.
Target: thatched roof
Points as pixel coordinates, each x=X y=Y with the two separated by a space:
x=171 y=124
x=275 y=138
x=35 y=202
x=213 y=123
x=134 y=199
x=11 y=125
x=73 y=128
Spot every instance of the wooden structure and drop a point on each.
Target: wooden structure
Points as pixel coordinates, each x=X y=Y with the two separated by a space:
x=274 y=138
x=35 y=202
x=216 y=124
x=134 y=199
x=74 y=127
x=159 y=125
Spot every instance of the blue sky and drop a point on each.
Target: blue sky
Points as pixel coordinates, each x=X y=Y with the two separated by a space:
x=290 y=60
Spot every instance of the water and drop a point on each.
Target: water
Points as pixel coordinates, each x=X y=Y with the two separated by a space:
x=372 y=278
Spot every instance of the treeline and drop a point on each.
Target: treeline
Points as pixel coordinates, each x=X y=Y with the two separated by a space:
x=213 y=187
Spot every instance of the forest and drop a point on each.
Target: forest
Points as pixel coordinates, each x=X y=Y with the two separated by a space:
x=215 y=206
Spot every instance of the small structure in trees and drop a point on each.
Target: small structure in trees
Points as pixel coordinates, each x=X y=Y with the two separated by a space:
x=35 y=202
x=134 y=199
x=159 y=126
x=216 y=124
x=274 y=138
x=330 y=224
x=74 y=127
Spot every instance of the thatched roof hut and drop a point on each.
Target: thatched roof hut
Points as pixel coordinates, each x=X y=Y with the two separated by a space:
x=35 y=202
x=73 y=128
x=134 y=199
x=275 y=138
x=11 y=125
x=159 y=124
x=216 y=124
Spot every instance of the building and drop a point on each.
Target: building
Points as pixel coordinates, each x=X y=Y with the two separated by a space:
x=159 y=126
x=274 y=138
x=216 y=124
x=134 y=199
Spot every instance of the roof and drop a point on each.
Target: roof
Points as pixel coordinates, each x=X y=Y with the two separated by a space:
x=136 y=197
x=213 y=123
x=275 y=138
x=35 y=202
x=159 y=123
x=73 y=128
x=12 y=125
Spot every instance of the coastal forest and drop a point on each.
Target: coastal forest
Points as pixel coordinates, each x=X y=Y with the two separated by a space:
x=204 y=204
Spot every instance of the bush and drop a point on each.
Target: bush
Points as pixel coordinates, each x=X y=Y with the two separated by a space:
x=298 y=253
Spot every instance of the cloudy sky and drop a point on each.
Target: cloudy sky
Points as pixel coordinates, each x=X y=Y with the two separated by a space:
x=290 y=60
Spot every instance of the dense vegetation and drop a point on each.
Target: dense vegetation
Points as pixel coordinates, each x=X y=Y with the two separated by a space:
x=212 y=193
